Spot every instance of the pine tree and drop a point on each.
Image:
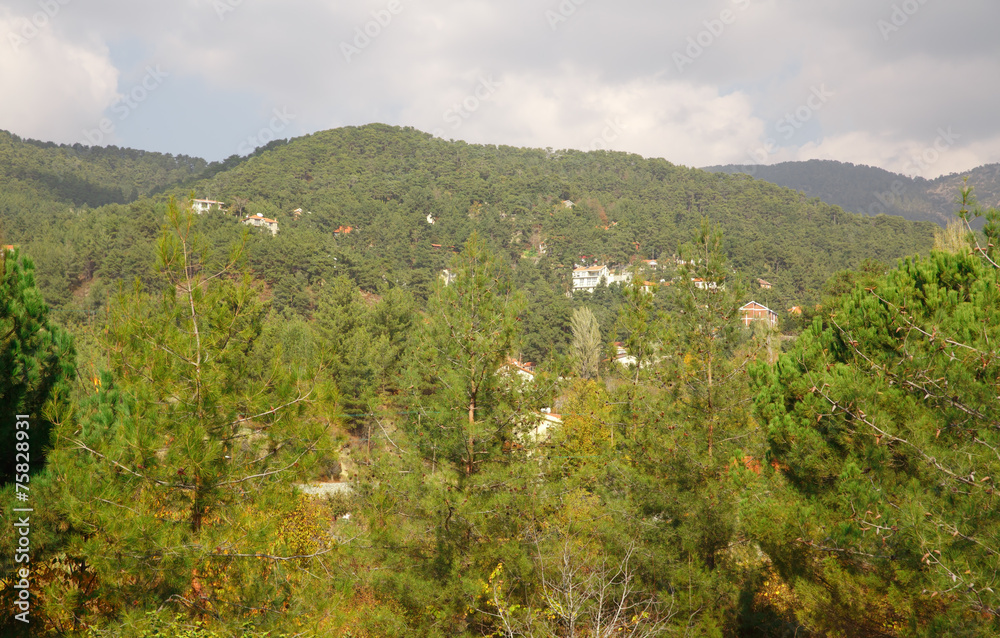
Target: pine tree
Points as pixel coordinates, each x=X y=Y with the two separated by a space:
x=170 y=482
x=36 y=359
x=471 y=331
x=884 y=422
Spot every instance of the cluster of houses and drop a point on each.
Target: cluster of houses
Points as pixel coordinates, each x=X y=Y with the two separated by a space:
x=587 y=278
x=201 y=206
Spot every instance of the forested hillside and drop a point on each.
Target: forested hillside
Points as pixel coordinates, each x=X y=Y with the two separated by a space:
x=224 y=432
x=409 y=199
x=35 y=173
x=869 y=190
x=387 y=183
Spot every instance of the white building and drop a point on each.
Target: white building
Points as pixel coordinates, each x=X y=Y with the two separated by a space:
x=588 y=277
x=262 y=222
x=204 y=205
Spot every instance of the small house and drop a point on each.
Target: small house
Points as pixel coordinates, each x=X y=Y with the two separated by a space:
x=754 y=311
x=260 y=221
x=204 y=205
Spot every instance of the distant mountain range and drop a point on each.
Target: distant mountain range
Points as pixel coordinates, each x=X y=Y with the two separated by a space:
x=868 y=190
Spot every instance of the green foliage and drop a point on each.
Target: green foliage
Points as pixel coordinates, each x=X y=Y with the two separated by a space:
x=37 y=360
x=883 y=420
x=586 y=342
x=180 y=463
x=471 y=330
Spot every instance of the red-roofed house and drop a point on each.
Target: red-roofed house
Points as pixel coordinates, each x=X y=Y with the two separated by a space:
x=754 y=311
x=262 y=222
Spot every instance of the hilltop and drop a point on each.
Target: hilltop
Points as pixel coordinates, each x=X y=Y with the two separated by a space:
x=405 y=192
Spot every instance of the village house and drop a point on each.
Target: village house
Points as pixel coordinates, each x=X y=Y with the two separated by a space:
x=204 y=205
x=448 y=277
x=262 y=222
x=589 y=277
x=754 y=311
x=764 y=284
x=524 y=369
x=702 y=284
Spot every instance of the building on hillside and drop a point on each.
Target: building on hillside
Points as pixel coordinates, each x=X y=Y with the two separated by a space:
x=262 y=222
x=343 y=230
x=204 y=205
x=764 y=284
x=795 y=310
x=568 y=204
x=754 y=311
x=524 y=369
x=620 y=276
x=589 y=277
x=703 y=284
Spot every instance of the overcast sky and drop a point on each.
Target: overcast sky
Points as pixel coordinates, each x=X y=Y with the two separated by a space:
x=907 y=85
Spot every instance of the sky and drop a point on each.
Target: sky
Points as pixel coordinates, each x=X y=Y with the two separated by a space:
x=905 y=85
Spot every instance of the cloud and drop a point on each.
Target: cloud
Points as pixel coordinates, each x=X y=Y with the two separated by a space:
x=56 y=88
x=562 y=80
x=572 y=108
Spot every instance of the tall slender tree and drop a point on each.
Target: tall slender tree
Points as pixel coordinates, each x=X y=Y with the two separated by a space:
x=586 y=344
x=176 y=467
x=471 y=331
x=36 y=361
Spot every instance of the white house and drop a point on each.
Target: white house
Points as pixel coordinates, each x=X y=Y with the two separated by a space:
x=204 y=205
x=702 y=284
x=262 y=222
x=588 y=277
x=620 y=277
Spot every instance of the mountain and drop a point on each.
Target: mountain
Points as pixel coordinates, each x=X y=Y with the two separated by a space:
x=408 y=197
x=869 y=190
x=87 y=175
